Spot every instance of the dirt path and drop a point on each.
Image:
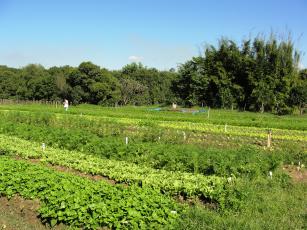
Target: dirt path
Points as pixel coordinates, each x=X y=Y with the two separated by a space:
x=65 y=169
x=20 y=214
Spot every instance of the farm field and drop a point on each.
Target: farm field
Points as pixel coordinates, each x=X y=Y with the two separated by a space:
x=96 y=167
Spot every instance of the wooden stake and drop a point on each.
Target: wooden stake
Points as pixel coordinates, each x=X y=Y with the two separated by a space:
x=269 y=138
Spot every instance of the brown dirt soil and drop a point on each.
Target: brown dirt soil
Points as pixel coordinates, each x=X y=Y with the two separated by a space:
x=69 y=170
x=298 y=175
x=20 y=214
x=78 y=173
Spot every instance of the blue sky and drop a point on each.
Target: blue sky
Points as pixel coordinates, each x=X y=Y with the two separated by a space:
x=158 y=33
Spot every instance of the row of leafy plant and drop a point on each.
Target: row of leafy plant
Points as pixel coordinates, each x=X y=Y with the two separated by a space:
x=245 y=161
x=84 y=203
x=217 y=117
x=211 y=188
x=103 y=125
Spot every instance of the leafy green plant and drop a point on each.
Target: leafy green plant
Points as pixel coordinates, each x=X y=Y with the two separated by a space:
x=84 y=203
x=174 y=183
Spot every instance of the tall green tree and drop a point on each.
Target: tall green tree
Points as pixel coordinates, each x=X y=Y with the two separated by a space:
x=298 y=93
x=258 y=75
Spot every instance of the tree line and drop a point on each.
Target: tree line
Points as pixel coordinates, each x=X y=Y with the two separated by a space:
x=88 y=83
x=257 y=75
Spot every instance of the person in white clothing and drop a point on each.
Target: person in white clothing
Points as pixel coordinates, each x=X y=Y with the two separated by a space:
x=66 y=104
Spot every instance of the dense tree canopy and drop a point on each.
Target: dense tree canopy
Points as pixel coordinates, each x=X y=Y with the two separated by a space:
x=258 y=75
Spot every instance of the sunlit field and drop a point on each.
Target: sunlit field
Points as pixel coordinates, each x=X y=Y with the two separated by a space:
x=155 y=167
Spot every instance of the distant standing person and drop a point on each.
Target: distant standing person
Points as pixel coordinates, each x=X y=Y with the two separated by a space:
x=66 y=104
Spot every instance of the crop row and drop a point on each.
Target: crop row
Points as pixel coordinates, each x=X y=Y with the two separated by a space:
x=294 y=135
x=217 y=117
x=83 y=203
x=175 y=183
x=240 y=162
x=96 y=124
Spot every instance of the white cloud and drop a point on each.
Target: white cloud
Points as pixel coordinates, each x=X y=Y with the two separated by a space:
x=135 y=58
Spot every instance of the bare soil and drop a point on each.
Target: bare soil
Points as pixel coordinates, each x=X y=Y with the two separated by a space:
x=20 y=214
x=298 y=175
x=69 y=170
x=81 y=174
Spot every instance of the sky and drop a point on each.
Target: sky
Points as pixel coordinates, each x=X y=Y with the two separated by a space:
x=159 y=33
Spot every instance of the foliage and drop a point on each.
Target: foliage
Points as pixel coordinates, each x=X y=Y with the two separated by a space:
x=298 y=93
x=212 y=188
x=81 y=202
x=158 y=155
x=270 y=205
x=258 y=75
x=230 y=185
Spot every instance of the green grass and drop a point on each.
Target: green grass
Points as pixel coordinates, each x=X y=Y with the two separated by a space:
x=269 y=206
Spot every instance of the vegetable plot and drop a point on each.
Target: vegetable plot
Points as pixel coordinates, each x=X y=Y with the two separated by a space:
x=213 y=188
x=83 y=203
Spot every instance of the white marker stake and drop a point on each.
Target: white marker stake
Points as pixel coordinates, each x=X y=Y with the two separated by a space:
x=184 y=136
x=269 y=139
x=159 y=138
x=270 y=174
x=126 y=140
x=43 y=146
